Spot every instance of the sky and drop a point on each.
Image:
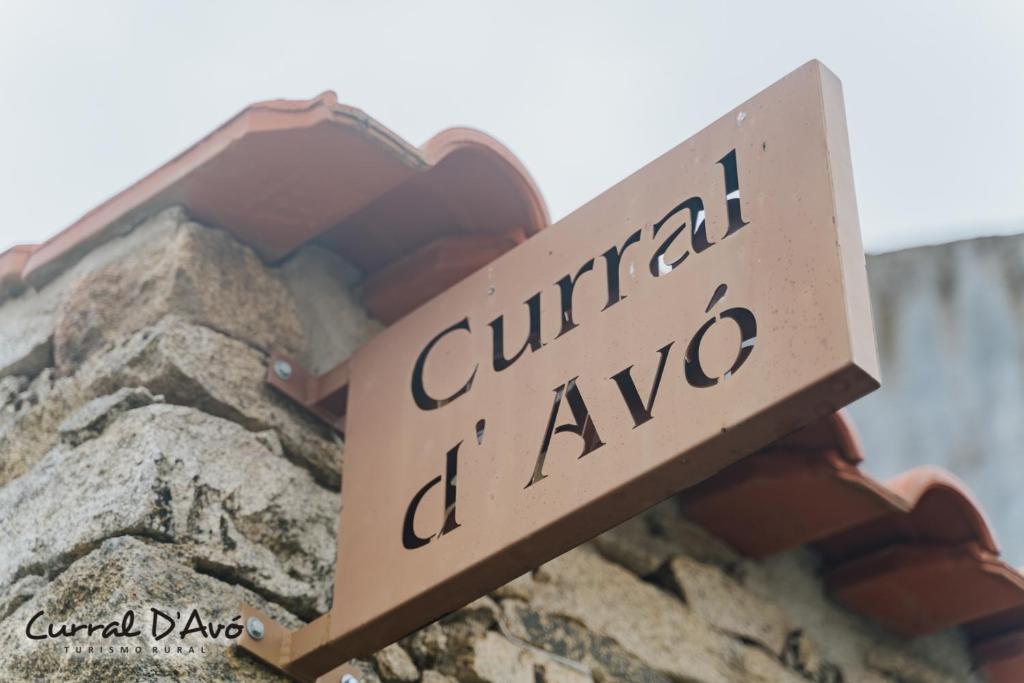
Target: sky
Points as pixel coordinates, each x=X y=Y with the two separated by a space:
x=96 y=95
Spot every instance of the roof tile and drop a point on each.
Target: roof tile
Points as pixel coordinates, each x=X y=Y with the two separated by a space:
x=915 y=553
x=12 y=262
x=284 y=172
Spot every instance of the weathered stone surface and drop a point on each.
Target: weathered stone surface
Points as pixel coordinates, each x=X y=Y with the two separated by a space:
x=900 y=665
x=27 y=321
x=801 y=655
x=325 y=289
x=395 y=664
x=632 y=546
x=647 y=622
x=13 y=595
x=730 y=607
x=175 y=474
x=178 y=271
x=26 y=332
x=10 y=387
x=482 y=613
x=689 y=538
x=839 y=640
x=91 y=419
x=475 y=644
x=757 y=666
x=121 y=574
x=448 y=645
x=431 y=676
x=367 y=672
x=497 y=660
x=28 y=423
x=520 y=587
x=27 y=345
x=176 y=360
x=568 y=639
x=172 y=359
x=197 y=274
x=646 y=543
x=427 y=645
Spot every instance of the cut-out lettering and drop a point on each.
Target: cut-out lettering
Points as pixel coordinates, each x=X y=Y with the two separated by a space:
x=532 y=342
x=744 y=319
x=640 y=410
x=698 y=239
x=425 y=401
x=732 y=193
x=565 y=287
x=410 y=539
x=582 y=426
x=613 y=261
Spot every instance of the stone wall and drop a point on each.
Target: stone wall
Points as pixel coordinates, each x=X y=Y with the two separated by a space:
x=144 y=463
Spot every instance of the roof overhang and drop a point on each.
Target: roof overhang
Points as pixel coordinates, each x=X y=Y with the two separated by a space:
x=284 y=173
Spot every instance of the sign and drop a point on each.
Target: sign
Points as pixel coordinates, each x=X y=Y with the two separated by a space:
x=708 y=304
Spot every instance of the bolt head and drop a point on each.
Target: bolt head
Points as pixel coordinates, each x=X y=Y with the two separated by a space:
x=283 y=369
x=254 y=627
x=349 y=678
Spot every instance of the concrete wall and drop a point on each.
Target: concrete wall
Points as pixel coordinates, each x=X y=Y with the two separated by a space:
x=145 y=464
x=949 y=324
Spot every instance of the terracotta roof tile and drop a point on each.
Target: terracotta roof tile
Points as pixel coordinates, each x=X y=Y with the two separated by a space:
x=783 y=498
x=285 y=172
x=1001 y=659
x=919 y=588
x=915 y=553
x=935 y=508
x=12 y=263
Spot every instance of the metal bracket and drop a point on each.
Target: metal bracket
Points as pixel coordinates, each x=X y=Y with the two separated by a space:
x=275 y=645
x=326 y=395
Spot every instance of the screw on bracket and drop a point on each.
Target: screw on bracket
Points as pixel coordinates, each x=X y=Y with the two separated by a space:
x=283 y=369
x=254 y=627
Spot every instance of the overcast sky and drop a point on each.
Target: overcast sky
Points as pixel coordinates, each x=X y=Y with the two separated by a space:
x=95 y=95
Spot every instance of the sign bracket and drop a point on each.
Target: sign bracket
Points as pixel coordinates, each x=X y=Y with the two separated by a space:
x=325 y=395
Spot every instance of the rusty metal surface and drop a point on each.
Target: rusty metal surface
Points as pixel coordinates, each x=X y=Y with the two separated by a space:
x=342 y=674
x=500 y=461
x=326 y=395
x=412 y=280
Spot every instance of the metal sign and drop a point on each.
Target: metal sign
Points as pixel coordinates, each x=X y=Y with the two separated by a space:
x=710 y=303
